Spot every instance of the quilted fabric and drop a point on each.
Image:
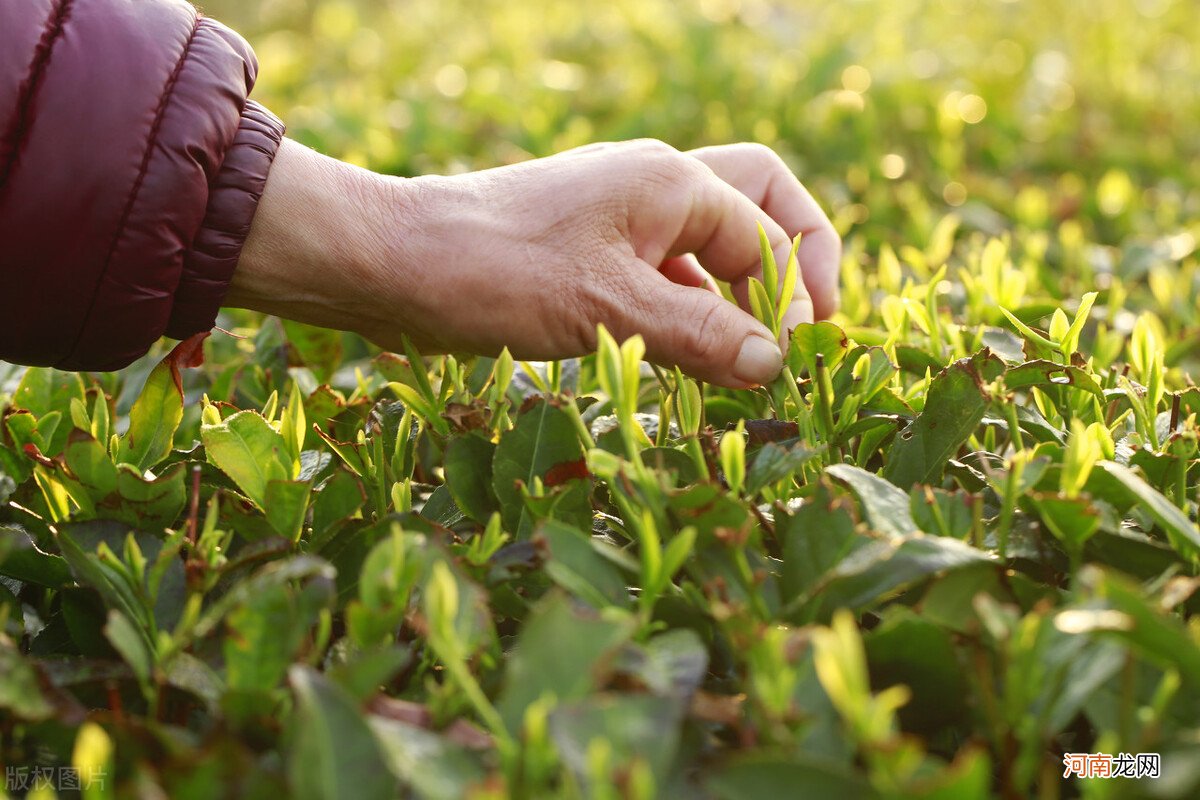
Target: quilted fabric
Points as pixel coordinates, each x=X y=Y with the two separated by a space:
x=131 y=164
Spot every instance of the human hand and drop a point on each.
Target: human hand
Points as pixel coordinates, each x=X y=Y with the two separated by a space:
x=533 y=256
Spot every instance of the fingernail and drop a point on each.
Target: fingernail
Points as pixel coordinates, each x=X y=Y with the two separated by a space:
x=758 y=362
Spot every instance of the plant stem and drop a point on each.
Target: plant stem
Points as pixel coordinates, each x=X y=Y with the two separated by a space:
x=823 y=387
x=1014 y=426
x=581 y=427
x=1181 y=495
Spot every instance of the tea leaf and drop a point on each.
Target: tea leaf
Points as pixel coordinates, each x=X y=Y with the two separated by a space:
x=331 y=741
x=543 y=437
x=953 y=408
x=249 y=451
x=1182 y=530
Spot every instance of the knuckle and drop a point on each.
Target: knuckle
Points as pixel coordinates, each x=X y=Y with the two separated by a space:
x=704 y=342
x=667 y=169
x=837 y=243
x=642 y=169
x=825 y=228
x=761 y=154
x=777 y=237
x=653 y=147
x=826 y=225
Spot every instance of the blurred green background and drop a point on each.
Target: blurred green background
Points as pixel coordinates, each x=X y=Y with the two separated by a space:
x=889 y=109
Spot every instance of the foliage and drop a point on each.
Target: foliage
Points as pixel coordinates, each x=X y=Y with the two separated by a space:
x=955 y=540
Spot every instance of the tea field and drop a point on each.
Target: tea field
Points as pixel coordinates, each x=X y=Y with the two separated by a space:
x=955 y=542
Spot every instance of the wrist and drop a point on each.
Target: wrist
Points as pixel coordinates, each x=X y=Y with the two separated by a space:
x=327 y=238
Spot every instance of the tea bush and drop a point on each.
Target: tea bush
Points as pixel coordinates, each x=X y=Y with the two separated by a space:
x=954 y=542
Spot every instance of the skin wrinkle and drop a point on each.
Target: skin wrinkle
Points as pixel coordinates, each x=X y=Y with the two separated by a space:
x=604 y=300
x=343 y=250
x=580 y=305
x=437 y=283
x=701 y=340
x=405 y=199
x=623 y=293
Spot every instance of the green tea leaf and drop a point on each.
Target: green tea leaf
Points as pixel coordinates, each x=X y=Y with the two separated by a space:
x=45 y=391
x=20 y=691
x=877 y=569
x=267 y=630
x=434 y=767
x=953 y=409
x=821 y=533
x=542 y=438
x=156 y=414
x=286 y=504
x=1048 y=374
x=334 y=753
x=561 y=653
x=147 y=503
x=1159 y=636
x=812 y=339
x=758 y=776
x=632 y=727
x=1181 y=530
x=1029 y=333
x=247 y=449
x=884 y=505
x=774 y=463
x=787 y=290
x=468 y=466
x=576 y=564
x=22 y=559
x=1070 y=341
x=770 y=268
x=130 y=643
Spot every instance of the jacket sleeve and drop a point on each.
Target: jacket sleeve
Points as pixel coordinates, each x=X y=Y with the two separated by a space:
x=131 y=165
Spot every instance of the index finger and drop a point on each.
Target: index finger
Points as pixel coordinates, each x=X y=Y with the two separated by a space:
x=760 y=174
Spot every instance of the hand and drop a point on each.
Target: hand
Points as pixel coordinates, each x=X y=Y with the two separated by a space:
x=533 y=256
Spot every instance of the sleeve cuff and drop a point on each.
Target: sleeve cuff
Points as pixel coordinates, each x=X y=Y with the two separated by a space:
x=233 y=198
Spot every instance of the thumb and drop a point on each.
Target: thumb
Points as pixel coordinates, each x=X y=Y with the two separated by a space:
x=702 y=333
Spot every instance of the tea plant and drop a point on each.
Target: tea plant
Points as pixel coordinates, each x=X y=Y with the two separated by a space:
x=954 y=541
x=927 y=566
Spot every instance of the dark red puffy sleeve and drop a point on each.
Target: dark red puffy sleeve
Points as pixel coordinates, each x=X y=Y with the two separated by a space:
x=131 y=165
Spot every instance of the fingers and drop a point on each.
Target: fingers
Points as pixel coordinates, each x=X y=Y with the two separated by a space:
x=718 y=228
x=685 y=270
x=697 y=330
x=718 y=224
x=758 y=173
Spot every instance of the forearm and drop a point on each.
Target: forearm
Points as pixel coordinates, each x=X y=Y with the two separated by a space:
x=321 y=230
